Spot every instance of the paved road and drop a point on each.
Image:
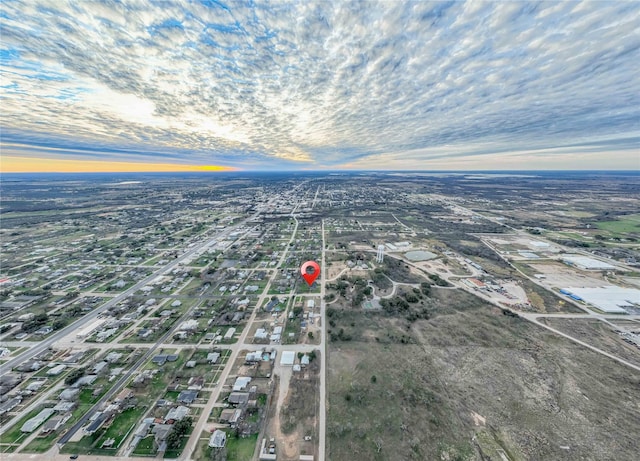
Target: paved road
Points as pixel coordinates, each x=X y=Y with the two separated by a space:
x=322 y=419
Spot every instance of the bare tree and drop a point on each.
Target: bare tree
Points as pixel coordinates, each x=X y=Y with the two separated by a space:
x=378 y=443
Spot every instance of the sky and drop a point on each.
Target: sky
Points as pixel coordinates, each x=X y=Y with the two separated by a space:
x=318 y=85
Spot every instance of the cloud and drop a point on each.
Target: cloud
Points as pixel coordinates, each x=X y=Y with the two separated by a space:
x=317 y=84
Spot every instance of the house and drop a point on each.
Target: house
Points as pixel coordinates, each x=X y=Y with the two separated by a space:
x=125 y=394
x=35 y=422
x=287 y=358
x=113 y=357
x=267 y=453
x=141 y=432
x=195 y=383
x=271 y=305
x=187 y=397
x=176 y=414
x=54 y=423
x=275 y=336
x=105 y=334
x=237 y=317
x=43 y=331
x=311 y=304
x=253 y=357
x=230 y=416
x=238 y=398
x=74 y=358
x=241 y=383
x=160 y=432
x=161 y=359
x=212 y=357
x=69 y=394
x=97 y=420
x=261 y=334
x=190 y=364
x=35 y=386
x=100 y=367
x=229 y=334
x=64 y=406
x=9 y=405
x=55 y=371
x=29 y=365
x=189 y=325
x=218 y=439
x=86 y=380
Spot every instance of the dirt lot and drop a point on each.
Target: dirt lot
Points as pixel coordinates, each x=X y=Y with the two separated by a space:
x=561 y=276
x=472 y=380
x=295 y=409
x=544 y=301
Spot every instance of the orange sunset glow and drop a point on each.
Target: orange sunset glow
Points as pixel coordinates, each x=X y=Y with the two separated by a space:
x=50 y=165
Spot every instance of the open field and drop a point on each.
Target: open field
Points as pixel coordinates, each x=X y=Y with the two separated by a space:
x=598 y=334
x=471 y=371
x=628 y=224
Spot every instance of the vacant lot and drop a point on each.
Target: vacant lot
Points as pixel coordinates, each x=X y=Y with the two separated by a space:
x=598 y=334
x=629 y=224
x=471 y=380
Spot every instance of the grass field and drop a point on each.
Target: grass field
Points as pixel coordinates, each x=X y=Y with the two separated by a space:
x=241 y=449
x=470 y=371
x=15 y=435
x=41 y=444
x=627 y=224
x=146 y=447
x=122 y=425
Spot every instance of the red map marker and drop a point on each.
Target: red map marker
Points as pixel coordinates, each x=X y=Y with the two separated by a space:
x=310 y=278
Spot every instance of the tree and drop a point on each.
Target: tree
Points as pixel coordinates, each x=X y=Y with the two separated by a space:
x=74 y=376
x=411 y=297
x=179 y=430
x=34 y=323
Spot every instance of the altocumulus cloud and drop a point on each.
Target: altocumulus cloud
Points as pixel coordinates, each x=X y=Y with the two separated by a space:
x=320 y=84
